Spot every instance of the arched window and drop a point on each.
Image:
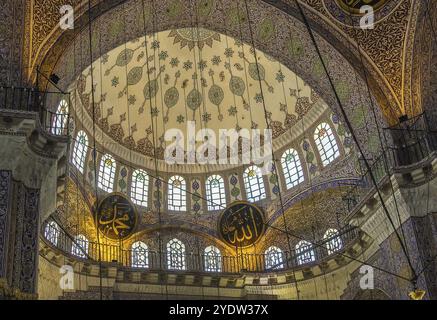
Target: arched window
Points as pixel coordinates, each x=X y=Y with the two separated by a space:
x=59 y=123
x=333 y=241
x=80 y=150
x=80 y=246
x=274 y=258
x=140 y=255
x=213 y=259
x=177 y=194
x=326 y=143
x=175 y=255
x=254 y=184
x=215 y=192
x=292 y=168
x=107 y=173
x=51 y=232
x=140 y=187
x=304 y=252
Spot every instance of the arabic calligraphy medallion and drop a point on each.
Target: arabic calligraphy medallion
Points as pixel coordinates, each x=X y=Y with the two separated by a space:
x=241 y=224
x=116 y=217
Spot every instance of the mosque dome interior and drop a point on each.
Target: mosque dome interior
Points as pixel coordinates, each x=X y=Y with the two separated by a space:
x=218 y=149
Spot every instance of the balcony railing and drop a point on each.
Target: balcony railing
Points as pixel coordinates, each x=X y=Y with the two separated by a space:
x=195 y=261
x=45 y=104
x=412 y=142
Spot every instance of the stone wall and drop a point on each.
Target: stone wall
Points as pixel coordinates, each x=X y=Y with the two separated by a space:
x=12 y=17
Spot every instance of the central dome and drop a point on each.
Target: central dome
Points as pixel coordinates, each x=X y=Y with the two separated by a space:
x=160 y=82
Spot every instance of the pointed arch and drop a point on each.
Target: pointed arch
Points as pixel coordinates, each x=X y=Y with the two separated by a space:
x=140 y=187
x=292 y=168
x=254 y=184
x=60 y=119
x=177 y=197
x=80 y=246
x=212 y=259
x=215 y=192
x=274 y=258
x=139 y=255
x=107 y=173
x=176 y=255
x=80 y=151
x=304 y=253
x=326 y=143
x=52 y=232
x=332 y=241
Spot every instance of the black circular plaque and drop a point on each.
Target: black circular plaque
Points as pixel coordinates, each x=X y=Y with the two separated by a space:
x=116 y=217
x=241 y=224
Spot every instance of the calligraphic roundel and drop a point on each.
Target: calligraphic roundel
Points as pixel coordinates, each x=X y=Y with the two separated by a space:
x=116 y=217
x=241 y=224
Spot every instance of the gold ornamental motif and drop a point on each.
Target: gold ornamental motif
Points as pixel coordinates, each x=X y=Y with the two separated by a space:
x=241 y=224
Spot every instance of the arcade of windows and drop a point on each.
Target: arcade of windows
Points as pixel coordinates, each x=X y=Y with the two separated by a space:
x=215 y=185
x=176 y=255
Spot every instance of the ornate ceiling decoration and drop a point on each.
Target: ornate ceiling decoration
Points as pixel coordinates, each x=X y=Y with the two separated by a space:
x=213 y=82
x=348 y=12
x=384 y=46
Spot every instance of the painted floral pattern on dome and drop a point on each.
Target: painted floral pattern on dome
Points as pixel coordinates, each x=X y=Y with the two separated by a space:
x=191 y=74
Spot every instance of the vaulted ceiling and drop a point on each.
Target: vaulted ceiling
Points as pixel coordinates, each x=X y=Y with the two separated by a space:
x=161 y=82
x=387 y=49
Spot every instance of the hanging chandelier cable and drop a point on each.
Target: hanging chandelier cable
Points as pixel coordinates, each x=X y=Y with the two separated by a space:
x=196 y=41
x=428 y=10
x=157 y=179
x=351 y=130
x=94 y=147
x=382 y=138
x=268 y=126
x=95 y=156
x=267 y=225
x=342 y=254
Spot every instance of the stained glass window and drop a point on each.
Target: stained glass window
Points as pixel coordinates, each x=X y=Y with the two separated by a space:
x=140 y=187
x=292 y=168
x=59 y=124
x=326 y=143
x=274 y=258
x=215 y=193
x=333 y=241
x=80 y=150
x=51 y=232
x=177 y=194
x=175 y=255
x=140 y=255
x=304 y=252
x=213 y=259
x=80 y=246
x=254 y=184
x=107 y=173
